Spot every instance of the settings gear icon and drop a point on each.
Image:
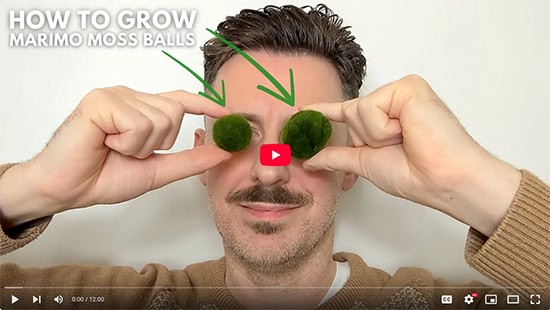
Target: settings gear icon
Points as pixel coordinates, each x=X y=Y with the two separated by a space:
x=469 y=299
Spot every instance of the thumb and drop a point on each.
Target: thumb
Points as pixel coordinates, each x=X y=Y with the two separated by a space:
x=177 y=166
x=338 y=158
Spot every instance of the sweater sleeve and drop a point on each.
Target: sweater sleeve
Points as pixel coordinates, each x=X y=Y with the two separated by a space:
x=517 y=255
x=101 y=287
x=97 y=287
x=21 y=235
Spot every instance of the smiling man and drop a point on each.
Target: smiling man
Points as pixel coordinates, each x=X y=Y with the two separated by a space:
x=277 y=222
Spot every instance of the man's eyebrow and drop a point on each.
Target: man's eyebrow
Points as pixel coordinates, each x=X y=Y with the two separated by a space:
x=253 y=118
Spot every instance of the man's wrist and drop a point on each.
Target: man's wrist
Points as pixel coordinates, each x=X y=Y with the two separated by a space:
x=485 y=196
x=20 y=199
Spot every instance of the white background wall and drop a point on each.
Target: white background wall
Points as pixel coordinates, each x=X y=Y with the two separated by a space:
x=488 y=60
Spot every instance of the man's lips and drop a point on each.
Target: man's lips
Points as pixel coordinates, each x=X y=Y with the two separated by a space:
x=267 y=211
x=268 y=207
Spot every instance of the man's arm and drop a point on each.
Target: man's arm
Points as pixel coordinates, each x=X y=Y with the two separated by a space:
x=410 y=145
x=116 y=287
x=515 y=257
x=517 y=254
x=12 y=238
x=104 y=153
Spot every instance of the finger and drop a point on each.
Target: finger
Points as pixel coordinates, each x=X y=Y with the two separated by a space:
x=376 y=144
x=368 y=121
x=162 y=125
x=196 y=104
x=332 y=110
x=177 y=166
x=126 y=129
x=338 y=158
x=173 y=109
x=378 y=125
x=389 y=142
x=355 y=138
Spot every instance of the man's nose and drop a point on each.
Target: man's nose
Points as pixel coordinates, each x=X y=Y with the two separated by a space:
x=269 y=175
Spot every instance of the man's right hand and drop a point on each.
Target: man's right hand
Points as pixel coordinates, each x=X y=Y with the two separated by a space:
x=103 y=153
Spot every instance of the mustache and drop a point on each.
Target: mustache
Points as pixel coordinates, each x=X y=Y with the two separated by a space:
x=276 y=195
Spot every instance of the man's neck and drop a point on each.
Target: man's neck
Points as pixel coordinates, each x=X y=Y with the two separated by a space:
x=304 y=286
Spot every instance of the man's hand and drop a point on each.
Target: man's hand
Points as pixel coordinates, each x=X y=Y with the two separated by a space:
x=407 y=143
x=103 y=153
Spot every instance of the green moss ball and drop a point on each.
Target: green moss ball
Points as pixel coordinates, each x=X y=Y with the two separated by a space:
x=307 y=132
x=232 y=133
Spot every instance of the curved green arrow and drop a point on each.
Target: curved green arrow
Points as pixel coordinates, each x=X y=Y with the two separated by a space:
x=219 y=100
x=285 y=97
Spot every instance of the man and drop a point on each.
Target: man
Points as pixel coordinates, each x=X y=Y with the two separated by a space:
x=277 y=223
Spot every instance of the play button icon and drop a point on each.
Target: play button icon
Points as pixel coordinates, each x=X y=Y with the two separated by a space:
x=14 y=299
x=275 y=155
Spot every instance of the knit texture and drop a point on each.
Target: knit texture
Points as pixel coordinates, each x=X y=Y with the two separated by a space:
x=516 y=256
x=521 y=239
x=23 y=234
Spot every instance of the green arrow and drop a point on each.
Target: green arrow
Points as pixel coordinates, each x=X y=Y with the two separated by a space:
x=285 y=97
x=219 y=100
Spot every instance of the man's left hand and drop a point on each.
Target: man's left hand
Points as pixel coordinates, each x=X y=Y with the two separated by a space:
x=407 y=143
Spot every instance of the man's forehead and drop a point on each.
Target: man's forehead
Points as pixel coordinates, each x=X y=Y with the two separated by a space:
x=315 y=79
x=256 y=118
x=252 y=117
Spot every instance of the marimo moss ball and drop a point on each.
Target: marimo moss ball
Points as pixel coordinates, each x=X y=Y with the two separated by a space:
x=307 y=132
x=232 y=133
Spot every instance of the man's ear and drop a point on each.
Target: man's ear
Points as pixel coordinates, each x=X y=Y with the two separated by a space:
x=200 y=137
x=349 y=181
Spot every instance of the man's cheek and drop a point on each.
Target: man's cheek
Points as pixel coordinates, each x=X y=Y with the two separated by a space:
x=319 y=177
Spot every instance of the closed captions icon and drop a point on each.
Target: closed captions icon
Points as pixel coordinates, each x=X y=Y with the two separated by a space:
x=447 y=299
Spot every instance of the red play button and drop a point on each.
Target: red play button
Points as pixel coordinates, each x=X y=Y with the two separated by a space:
x=275 y=155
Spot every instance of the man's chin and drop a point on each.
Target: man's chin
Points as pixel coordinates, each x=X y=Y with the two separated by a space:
x=265 y=228
x=267 y=243
x=265 y=257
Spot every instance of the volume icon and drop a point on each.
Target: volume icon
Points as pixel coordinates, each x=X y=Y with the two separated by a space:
x=58 y=299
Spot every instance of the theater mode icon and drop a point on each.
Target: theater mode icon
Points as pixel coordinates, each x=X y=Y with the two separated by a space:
x=275 y=155
x=512 y=299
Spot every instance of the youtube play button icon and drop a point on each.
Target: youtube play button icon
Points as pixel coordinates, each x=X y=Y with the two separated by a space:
x=275 y=155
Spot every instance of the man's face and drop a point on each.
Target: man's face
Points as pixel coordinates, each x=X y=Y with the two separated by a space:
x=241 y=187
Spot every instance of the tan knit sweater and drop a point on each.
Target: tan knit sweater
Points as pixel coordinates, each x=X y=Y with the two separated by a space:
x=516 y=256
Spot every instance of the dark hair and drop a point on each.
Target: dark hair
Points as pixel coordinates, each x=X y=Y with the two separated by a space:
x=290 y=30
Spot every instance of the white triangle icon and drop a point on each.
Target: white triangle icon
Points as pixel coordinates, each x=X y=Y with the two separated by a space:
x=14 y=299
x=34 y=299
x=274 y=154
